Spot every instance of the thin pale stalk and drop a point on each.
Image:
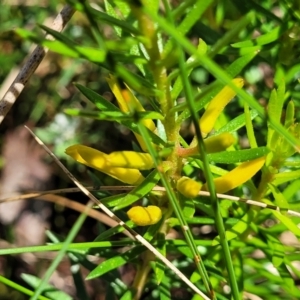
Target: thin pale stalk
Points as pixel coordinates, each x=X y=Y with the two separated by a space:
x=156 y=188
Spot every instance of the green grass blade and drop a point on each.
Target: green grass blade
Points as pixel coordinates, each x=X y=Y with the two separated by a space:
x=72 y=234
x=20 y=288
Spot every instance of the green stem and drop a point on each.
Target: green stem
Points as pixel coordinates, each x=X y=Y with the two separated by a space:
x=141 y=277
x=178 y=212
x=210 y=182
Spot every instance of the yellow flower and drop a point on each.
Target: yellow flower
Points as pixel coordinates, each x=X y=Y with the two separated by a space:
x=237 y=176
x=188 y=187
x=125 y=172
x=130 y=159
x=144 y=216
x=129 y=103
x=216 y=106
x=213 y=144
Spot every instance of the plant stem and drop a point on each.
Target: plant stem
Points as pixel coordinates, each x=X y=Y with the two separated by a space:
x=141 y=276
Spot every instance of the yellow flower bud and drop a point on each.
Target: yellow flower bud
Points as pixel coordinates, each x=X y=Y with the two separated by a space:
x=98 y=160
x=129 y=103
x=92 y=157
x=130 y=159
x=216 y=106
x=237 y=176
x=112 y=82
x=144 y=216
x=219 y=142
x=188 y=187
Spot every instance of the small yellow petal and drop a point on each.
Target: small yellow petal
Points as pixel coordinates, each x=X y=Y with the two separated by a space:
x=237 y=176
x=216 y=106
x=112 y=82
x=98 y=160
x=144 y=216
x=130 y=159
x=188 y=187
x=219 y=142
x=129 y=103
x=129 y=176
x=87 y=156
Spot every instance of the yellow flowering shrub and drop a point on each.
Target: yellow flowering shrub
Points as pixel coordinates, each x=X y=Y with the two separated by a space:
x=126 y=165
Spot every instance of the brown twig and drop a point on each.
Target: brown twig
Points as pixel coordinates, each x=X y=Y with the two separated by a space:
x=31 y=64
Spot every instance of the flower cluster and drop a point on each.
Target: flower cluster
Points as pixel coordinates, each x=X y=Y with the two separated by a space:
x=126 y=165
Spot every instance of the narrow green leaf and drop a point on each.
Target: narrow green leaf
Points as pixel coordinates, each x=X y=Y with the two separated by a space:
x=231 y=157
x=128 y=295
x=289 y=283
x=111 y=232
x=247 y=5
x=264 y=39
x=188 y=206
x=136 y=82
x=113 y=200
x=277 y=250
x=140 y=191
x=288 y=222
x=279 y=198
x=115 y=262
x=159 y=267
x=27 y=34
x=111 y=12
x=65 y=46
x=240 y=227
x=113 y=21
x=285 y=177
x=172 y=222
x=89 y=53
x=123 y=7
x=59 y=36
x=50 y=290
x=100 y=102
x=290 y=115
x=117 y=116
x=292 y=190
x=249 y=127
x=272 y=110
x=106 y=115
x=177 y=87
x=280 y=100
x=165 y=288
x=240 y=63
x=18 y=287
x=190 y=19
x=236 y=123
